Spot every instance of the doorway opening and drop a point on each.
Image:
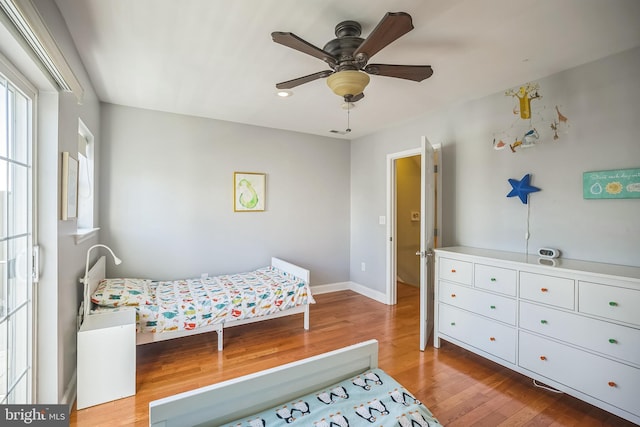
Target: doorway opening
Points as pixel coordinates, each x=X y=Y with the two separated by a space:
x=408 y=163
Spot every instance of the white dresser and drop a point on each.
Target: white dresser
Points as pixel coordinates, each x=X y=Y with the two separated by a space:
x=573 y=325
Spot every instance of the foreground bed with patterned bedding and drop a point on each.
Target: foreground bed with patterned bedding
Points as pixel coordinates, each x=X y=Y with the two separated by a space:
x=371 y=398
x=340 y=388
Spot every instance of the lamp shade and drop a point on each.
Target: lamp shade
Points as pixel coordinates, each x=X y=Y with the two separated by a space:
x=348 y=82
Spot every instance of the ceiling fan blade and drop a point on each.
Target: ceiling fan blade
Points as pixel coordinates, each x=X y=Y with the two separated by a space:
x=295 y=42
x=392 y=26
x=290 y=84
x=417 y=73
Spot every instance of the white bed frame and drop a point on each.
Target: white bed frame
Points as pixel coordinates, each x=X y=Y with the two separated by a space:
x=226 y=401
x=98 y=272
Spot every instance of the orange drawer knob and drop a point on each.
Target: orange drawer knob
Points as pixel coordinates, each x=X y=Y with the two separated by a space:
x=453 y=295
x=453 y=270
x=543 y=357
x=612 y=384
x=544 y=290
x=492 y=339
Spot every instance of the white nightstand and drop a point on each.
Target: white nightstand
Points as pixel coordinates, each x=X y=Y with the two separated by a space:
x=106 y=357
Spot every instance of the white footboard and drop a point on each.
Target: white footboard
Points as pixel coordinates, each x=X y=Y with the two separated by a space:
x=240 y=397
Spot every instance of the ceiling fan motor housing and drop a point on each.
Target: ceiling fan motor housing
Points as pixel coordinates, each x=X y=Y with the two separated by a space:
x=342 y=47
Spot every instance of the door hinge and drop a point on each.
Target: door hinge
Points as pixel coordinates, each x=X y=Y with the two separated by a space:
x=435 y=168
x=435 y=232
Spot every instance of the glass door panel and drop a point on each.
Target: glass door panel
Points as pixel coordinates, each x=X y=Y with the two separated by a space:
x=16 y=243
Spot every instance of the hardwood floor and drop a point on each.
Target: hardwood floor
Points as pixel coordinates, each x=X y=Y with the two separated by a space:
x=460 y=388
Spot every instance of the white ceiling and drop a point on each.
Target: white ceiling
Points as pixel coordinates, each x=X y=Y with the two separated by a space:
x=216 y=58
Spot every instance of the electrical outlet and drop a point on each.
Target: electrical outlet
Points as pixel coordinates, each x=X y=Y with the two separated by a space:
x=363 y=266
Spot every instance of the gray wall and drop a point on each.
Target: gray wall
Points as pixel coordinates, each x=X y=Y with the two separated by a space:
x=63 y=260
x=600 y=100
x=166 y=197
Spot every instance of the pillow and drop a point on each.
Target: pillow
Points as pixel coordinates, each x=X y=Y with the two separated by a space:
x=121 y=292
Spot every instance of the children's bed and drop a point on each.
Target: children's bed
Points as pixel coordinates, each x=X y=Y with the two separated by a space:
x=178 y=308
x=341 y=388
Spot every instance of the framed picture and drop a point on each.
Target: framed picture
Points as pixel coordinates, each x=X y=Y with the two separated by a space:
x=249 y=191
x=69 y=187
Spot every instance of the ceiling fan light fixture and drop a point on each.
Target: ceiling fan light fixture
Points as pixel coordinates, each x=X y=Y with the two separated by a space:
x=348 y=82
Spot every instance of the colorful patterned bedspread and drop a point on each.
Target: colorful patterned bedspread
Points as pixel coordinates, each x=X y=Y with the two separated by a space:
x=372 y=398
x=193 y=303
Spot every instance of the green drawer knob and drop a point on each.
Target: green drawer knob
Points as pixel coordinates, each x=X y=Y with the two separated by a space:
x=493 y=307
x=493 y=279
x=453 y=323
x=613 y=341
x=613 y=303
x=544 y=322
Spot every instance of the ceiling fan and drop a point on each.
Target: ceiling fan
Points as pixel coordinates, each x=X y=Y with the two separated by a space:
x=348 y=54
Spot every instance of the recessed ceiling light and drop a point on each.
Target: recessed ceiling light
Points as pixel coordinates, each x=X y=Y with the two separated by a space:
x=284 y=93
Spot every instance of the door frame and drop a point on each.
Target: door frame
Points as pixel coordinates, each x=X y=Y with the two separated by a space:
x=391 y=288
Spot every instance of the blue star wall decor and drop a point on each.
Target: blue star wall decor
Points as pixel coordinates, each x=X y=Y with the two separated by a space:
x=522 y=188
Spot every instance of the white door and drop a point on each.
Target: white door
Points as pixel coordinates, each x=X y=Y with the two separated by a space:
x=427 y=227
x=16 y=238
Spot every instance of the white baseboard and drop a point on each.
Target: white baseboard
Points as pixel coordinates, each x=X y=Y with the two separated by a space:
x=350 y=286
x=70 y=392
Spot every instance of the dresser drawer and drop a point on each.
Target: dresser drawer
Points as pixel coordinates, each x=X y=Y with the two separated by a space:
x=456 y=271
x=556 y=291
x=496 y=279
x=614 y=383
x=618 y=341
x=612 y=302
x=490 y=305
x=484 y=334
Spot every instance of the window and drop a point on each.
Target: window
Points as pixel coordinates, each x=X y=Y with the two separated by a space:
x=86 y=182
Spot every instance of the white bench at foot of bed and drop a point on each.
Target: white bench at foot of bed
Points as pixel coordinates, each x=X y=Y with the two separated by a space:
x=226 y=401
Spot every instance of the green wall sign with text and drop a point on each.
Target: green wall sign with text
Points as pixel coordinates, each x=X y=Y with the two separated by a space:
x=611 y=184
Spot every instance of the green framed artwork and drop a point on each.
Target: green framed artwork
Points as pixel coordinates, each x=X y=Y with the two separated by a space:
x=611 y=184
x=249 y=192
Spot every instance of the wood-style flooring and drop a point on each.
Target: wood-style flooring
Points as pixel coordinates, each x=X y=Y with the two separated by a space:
x=459 y=387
